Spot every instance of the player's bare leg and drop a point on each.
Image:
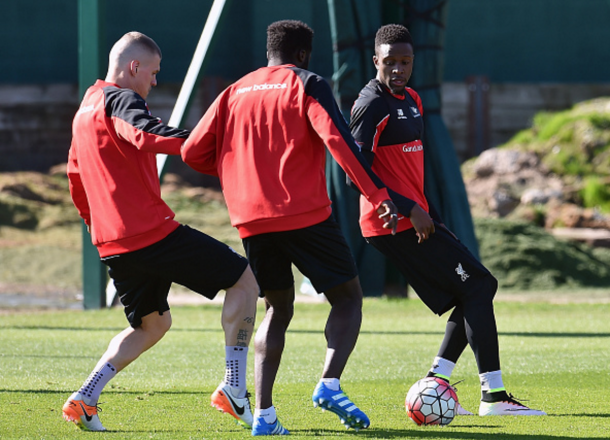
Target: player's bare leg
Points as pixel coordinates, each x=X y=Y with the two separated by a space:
x=269 y=345
x=269 y=342
x=342 y=330
x=342 y=326
x=128 y=345
x=238 y=317
x=239 y=310
x=81 y=408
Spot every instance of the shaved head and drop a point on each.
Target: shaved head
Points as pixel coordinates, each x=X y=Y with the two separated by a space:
x=131 y=46
x=134 y=62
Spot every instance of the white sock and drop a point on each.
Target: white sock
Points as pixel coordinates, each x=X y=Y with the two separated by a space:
x=236 y=359
x=267 y=414
x=95 y=383
x=491 y=382
x=442 y=367
x=331 y=383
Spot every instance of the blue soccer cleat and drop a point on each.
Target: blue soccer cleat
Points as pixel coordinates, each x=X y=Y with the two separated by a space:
x=260 y=427
x=336 y=401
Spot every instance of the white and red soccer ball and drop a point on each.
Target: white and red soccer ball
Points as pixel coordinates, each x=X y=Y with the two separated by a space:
x=431 y=401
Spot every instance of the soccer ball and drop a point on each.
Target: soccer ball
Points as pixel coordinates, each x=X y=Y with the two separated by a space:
x=431 y=401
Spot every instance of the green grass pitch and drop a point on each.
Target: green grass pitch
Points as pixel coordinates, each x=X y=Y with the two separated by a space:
x=555 y=356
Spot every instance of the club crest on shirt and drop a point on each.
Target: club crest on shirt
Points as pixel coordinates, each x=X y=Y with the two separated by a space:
x=401 y=114
x=415 y=112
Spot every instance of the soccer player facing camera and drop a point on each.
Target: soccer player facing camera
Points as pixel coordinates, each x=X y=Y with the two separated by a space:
x=387 y=123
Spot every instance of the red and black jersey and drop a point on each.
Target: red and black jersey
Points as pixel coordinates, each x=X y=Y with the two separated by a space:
x=113 y=172
x=265 y=138
x=389 y=129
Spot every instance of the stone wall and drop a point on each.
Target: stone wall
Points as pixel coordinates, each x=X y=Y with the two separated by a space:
x=35 y=125
x=511 y=108
x=35 y=120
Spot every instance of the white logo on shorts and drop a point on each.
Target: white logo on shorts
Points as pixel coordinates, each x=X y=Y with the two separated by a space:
x=461 y=272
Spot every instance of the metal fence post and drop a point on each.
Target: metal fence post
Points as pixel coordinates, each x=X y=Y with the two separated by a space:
x=91 y=66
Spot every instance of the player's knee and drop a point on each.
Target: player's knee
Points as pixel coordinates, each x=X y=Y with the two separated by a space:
x=157 y=325
x=348 y=294
x=486 y=290
x=165 y=323
x=246 y=283
x=281 y=314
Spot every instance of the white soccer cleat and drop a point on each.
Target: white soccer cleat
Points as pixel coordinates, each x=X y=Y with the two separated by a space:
x=510 y=407
x=460 y=411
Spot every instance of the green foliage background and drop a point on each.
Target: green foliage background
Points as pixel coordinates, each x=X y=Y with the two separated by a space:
x=574 y=144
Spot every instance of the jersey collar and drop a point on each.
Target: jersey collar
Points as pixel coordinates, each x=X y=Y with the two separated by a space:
x=383 y=87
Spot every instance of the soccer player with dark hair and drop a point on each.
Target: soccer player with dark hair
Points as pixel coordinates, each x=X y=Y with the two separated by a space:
x=265 y=138
x=115 y=187
x=387 y=123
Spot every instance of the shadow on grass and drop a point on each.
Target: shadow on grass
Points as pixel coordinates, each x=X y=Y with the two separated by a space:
x=434 y=432
x=100 y=329
x=114 y=391
x=362 y=332
x=49 y=356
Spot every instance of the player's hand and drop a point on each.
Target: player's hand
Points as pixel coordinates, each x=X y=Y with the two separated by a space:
x=422 y=222
x=389 y=214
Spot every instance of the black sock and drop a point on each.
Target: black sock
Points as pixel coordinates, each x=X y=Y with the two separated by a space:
x=431 y=374
x=498 y=396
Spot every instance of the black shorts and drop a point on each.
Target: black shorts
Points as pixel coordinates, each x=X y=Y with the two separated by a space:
x=186 y=256
x=320 y=252
x=441 y=270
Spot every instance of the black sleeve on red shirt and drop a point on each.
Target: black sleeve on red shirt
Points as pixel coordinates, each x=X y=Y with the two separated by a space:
x=364 y=133
x=432 y=210
x=317 y=87
x=127 y=105
x=367 y=114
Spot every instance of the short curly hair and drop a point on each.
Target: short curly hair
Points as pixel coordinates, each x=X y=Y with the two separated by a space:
x=286 y=37
x=392 y=33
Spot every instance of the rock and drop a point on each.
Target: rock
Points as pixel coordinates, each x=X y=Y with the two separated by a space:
x=496 y=161
x=569 y=215
x=537 y=196
x=502 y=203
x=502 y=179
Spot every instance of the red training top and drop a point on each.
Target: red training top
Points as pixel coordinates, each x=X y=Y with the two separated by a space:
x=113 y=172
x=264 y=137
x=389 y=129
